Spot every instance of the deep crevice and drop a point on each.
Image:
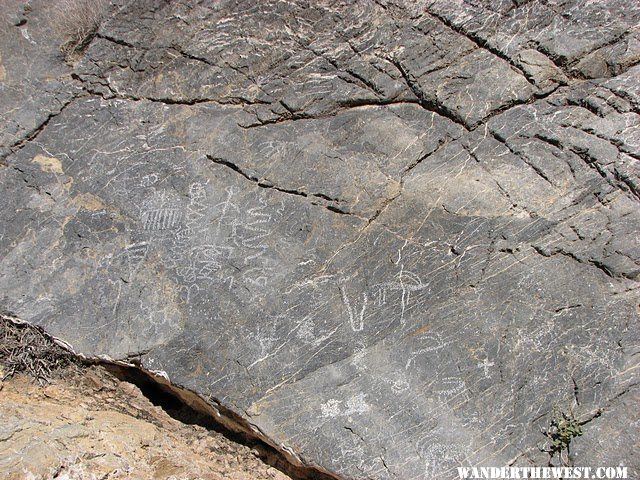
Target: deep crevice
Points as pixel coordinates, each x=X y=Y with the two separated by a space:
x=293 y=115
x=113 y=94
x=117 y=41
x=481 y=43
x=267 y=185
x=427 y=104
x=432 y=105
x=190 y=408
x=522 y=157
x=32 y=134
x=616 y=180
x=545 y=252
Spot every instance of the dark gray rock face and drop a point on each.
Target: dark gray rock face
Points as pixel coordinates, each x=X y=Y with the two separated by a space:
x=397 y=237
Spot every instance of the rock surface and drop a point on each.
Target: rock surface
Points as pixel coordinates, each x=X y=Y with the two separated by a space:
x=90 y=426
x=394 y=236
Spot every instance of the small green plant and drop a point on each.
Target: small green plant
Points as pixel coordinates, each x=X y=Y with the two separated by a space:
x=563 y=429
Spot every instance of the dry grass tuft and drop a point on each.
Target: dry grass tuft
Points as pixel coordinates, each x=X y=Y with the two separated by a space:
x=25 y=348
x=77 y=21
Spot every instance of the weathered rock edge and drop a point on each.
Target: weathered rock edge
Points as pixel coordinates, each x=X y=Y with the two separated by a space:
x=286 y=459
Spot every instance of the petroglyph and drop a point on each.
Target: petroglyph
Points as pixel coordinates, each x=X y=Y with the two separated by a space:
x=226 y=207
x=159 y=322
x=134 y=256
x=486 y=367
x=398 y=385
x=160 y=212
x=161 y=219
x=433 y=343
x=404 y=282
x=396 y=292
x=449 y=388
x=440 y=459
x=251 y=231
x=355 y=312
x=355 y=405
x=204 y=261
x=201 y=257
x=149 y=180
